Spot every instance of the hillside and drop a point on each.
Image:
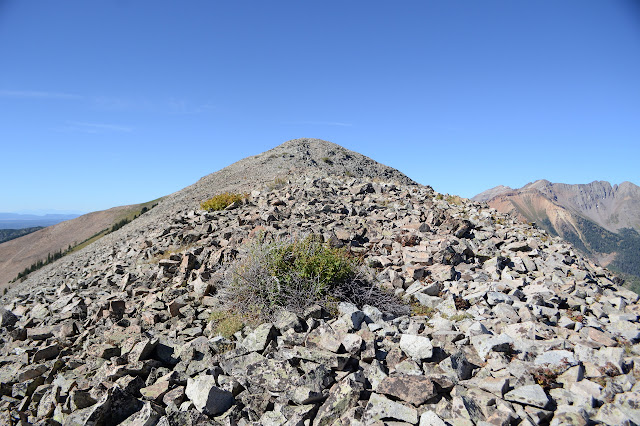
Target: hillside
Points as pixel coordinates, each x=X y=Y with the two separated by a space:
x=21 y=253
x=600 y=219
x=11 y=234
x=334 y=290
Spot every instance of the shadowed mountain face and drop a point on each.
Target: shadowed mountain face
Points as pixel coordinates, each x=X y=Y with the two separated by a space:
x=275 y=308
x=598 y=218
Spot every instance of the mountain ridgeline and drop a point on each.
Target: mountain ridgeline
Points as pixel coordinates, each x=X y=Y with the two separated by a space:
x=311 y=285
x=600 y=219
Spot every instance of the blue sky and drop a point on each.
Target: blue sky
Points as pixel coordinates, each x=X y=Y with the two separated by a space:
x=106 y=103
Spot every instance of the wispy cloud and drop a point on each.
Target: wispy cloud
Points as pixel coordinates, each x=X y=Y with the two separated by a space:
x=176 y=106
x=79 y=126
x=321 y=123
x=181 y=106
x=34 y=94
x=164 y=106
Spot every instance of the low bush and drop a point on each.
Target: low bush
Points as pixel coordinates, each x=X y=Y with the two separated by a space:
x=226 y=323
x=294 y=274
x=222 y=201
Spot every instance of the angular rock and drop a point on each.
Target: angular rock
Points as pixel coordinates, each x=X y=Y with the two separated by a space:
x=7 y=318
x=413 y=389
x=259 y=338
x=207 y=397
x=147 y=416
x=380 y=407
x=417 y=347
x=342 y=397
x=532 y=395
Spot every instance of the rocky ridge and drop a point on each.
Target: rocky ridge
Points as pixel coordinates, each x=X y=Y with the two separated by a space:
x=509 y=326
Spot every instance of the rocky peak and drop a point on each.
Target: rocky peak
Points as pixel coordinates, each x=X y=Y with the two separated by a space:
x=487 y=195
x=507 y=325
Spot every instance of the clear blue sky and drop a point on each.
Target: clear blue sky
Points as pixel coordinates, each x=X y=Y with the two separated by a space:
x=105 y=103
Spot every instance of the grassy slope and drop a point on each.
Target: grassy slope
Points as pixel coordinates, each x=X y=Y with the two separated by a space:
x=127 y=215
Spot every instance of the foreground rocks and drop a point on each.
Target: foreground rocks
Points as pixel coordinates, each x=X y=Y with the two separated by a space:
x=508 y=325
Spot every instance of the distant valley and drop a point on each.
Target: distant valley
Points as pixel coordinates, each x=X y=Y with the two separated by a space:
x=601 y=219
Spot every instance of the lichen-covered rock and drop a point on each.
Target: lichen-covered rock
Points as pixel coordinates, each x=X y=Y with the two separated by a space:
x=342 y=397
x=381 y=407
x=413 y=389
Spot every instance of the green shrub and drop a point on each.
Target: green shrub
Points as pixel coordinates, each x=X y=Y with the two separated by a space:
x=222 y=201
x=294 y=274
x=311 y=261
x=226 y=323
x=327 y=160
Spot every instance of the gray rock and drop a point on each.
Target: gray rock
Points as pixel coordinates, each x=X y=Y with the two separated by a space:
x=147 y=416
x=532 y=395
x=495 y=297
x=381 y=407
x=457 y=365
x=7 y=318
x=485 y=344
x=429 y=418
x=342 y=397
x=259 y=338
x=417 y=347
x=556 y=358
x=413 y=389
x=207 y=397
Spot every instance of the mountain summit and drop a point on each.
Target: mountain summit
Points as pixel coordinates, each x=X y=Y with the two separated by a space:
x=320 y=287
x=297 y=157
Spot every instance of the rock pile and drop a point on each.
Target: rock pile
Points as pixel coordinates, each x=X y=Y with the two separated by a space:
x=507 y=325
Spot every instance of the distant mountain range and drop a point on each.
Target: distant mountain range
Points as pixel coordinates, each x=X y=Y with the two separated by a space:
x=601 y=219
x=18 y=220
